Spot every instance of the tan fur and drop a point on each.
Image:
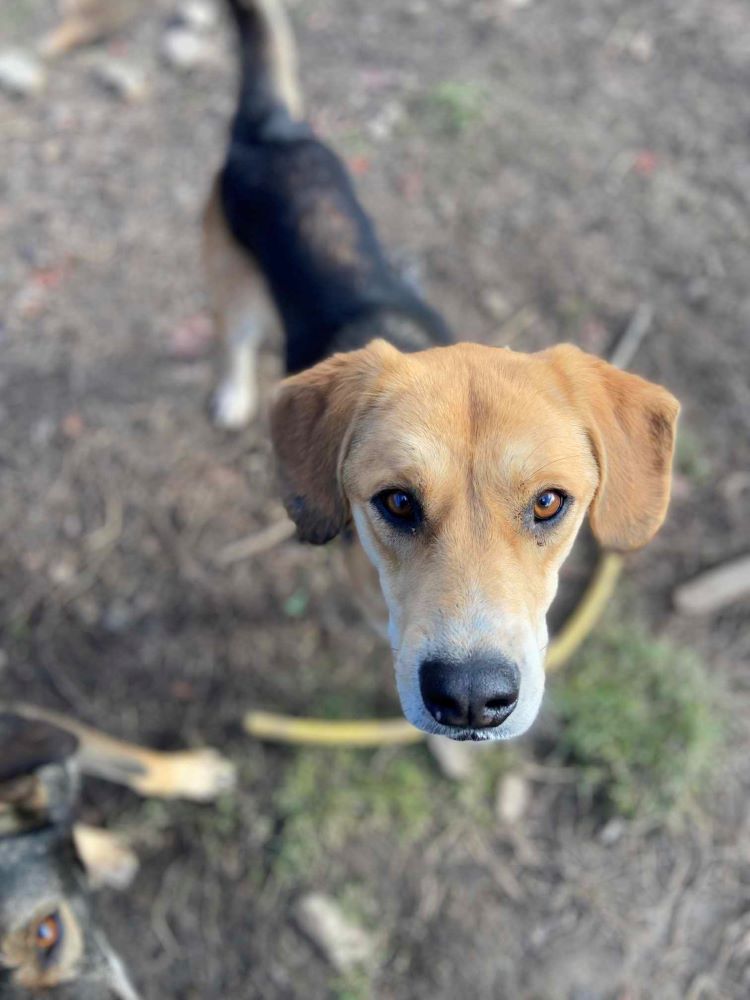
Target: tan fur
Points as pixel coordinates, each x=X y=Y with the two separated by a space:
x=19 y=952
x=86 y=21
x=243 y=313
x=283 y=56
x=200 y=775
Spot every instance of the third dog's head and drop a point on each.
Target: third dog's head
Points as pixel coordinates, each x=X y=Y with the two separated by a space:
x=50 y=944
x=467 y=472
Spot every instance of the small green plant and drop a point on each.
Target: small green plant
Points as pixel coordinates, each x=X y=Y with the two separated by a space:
x=638 y=721
x=454 y=106
x=352 y=986
x=328 y=798
x=691 y=459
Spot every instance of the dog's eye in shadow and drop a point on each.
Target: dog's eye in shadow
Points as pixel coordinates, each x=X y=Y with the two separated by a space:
x=48 y=934
x=399 y=507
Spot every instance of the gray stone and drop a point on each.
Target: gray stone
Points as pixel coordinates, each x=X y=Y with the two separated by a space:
x=123 y=79
x=21 y=74
x=185 y=50
x=343 y=943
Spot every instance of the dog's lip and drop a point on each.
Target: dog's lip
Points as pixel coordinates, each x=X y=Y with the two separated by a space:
x=468 y=735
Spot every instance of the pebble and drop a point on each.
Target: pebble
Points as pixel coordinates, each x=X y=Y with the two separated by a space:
x=641 y=46
x=21 y=74
x=383 y=124
x=185 y=50
x=199 y=15
x=512 y=799
x=343 y=943
x=123 y=79
x=495 y=304
x=612 y=831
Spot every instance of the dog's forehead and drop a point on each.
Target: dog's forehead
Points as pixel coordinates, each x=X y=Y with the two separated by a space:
x=440 y=407
x=31 y=875
x=473 y=388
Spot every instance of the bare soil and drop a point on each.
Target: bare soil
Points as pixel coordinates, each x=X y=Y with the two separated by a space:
x=599 y=160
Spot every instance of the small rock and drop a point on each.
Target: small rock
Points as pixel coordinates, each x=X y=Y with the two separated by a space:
x=417 y=8
x=62 y=572
x=117 y=617
x=495 y=304
x=382 y=125
x=612 y=831
x=343 y=943
x=122 y=79
x=193 y=338
x=185 y=50
x=72 y=425
x=455 y=760
x=200 y=15
x=21 y=74
x=512 y=798
x=641 y=46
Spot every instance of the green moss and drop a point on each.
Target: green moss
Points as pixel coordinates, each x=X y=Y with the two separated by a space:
x=691 y=459
x=326 y=798
x=352 y=986
x=454 y=106
x=329 y=799
x=638 y=720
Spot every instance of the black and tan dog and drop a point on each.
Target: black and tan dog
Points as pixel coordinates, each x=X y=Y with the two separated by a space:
x=50 y=942
x=465 y=471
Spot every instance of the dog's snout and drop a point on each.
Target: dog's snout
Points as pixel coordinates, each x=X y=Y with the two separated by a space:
x=478 y=693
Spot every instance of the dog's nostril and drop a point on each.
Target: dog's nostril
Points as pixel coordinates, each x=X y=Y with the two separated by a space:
x=444 y=709
x=502 y=701
x=479 y=693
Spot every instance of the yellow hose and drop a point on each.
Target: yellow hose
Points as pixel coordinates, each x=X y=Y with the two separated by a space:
x=587 y=613
x=389 y=732
x=331 y=733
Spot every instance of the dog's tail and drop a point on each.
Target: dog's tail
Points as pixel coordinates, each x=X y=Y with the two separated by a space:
x=270 y=97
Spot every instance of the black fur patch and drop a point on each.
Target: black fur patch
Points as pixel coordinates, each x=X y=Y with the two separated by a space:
x=291 y=204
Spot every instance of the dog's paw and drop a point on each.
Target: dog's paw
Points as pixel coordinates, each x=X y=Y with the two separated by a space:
x=201 y=775
x=106 y=856
x=233 y=405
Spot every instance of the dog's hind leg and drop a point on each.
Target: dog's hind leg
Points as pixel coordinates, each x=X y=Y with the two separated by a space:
x=200 y=775
x=242 y=313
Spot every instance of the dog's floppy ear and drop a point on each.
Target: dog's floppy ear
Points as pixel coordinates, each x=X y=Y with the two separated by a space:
x=26 y=745
x=631 y=424
x=312 y=420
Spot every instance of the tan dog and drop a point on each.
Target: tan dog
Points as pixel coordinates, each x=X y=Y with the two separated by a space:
x=465 y=471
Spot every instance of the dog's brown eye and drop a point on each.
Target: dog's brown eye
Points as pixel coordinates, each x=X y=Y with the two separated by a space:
x=48 y=933
x=548 y=504
x=399 y=507
x=399 y=504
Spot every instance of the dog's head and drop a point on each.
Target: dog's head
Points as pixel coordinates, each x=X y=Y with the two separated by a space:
x=50 y=945
x=467 y=472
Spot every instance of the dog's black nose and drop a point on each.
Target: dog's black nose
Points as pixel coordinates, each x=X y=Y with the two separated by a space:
x=478 y=693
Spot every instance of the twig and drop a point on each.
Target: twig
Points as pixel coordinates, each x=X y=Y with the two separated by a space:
x=714 y=589
x=253 y=545
x=630 y=341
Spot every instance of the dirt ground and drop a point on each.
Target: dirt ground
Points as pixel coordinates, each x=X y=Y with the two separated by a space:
x=549 y=166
